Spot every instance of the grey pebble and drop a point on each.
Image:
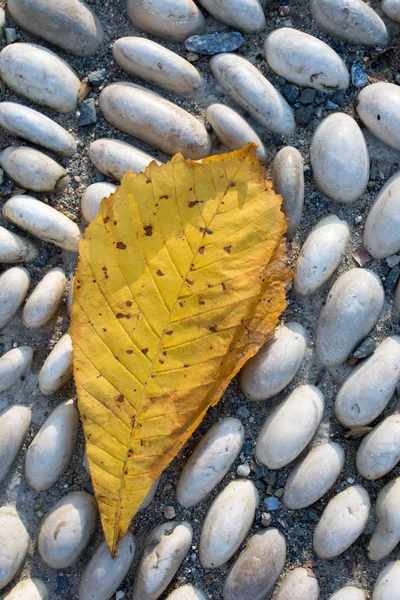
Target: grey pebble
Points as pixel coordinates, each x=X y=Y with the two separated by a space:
x=307 y=96
x=243 y=470
x=359 y=78
x=213 y=43
x=291 y=92
x=303 y=115
x=88 y=114
x=366 y=348
x=96 y=78
x=11 y=35
x=272 y=503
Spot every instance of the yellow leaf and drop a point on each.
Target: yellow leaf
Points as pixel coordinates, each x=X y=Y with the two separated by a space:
x=180 y=280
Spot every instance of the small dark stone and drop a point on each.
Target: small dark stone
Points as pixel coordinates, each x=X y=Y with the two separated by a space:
x=96 y=78
x=359 y=78
x=44 y=256
x=247 y=449
x=213 y=43
x=311 y=515
x=279 y=80
x=330 y=105
x=271 y=503
x=291 y=92
x=338 y=98
x=243 y=412
x=259 y=471
x=366 y=348
x=320 y=97
x=304 y=114
x=391 y=279
x=307 y=96
x=88 y=113
x=270 y=478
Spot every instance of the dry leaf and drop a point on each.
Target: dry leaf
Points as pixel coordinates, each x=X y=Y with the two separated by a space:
x=361 y=256
x=357 y=432
x=181 y=279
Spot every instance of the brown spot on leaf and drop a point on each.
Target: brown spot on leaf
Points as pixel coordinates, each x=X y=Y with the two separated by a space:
x=160 y=273
x=201 y=250
x=120 y=399
x=223 y=286
x=106 y=219
x=145 y=351
x=189 y=281
x=227 y=249
x=193 y=203
x=129 y=351
x=148 y=230
x=170 y=332
x=161 y=361
x=185 y=366
x=104 y=329
x=128 y=303
x=165 y=197
x=123 y=316
x=121 y=246
x=213 y=329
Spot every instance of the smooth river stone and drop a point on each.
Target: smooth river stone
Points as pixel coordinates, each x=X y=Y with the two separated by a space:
x=164 y=550
x=378 y=106
x=57 y=368
x=104 y=574
x=342 y=522
x=232 y=130
x=245 y=15
x=290 y=427
x=368 y=390
x=382 y=227
x=14 y=286
x=44 y=302
x=288 y=180
x=67 y=530
x=314 y=476
x=173 y=20
x=69 y=24
x=29 y=124
x=92 y=197
x=248 y=87
x=320 y=255
x=387 y=586
x=275 y=364
x=14 y=544
x=387 y=517
x=379 y=451
x=40 y=75
x=298 y=584
x=258 y=567
x=210 y=461
x=14 y=426
x=305 y=60
x=339 y=159
x=43 y=221
x=352 y=309
x=115 y=158
x=350 y=20
x=156 y=64
x=187 y=592
x=51 y=449
x=33 y=170
x=348 y=593
x=13 y=365
x=14 y=248
x=154 y=120
x=227 y=523
x=28 y=589
x=391 y=8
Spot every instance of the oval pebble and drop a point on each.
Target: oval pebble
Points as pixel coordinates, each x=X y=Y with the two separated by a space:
x=351 y=20
x=391 y=8
x=227 y=523
x=164 y=550
x=14 y=426
x=187 y=592
x=245 y=15
x=154 y=120
x=379 y=451
x=44 y=302
x=51 y=450
x=156 y=64
x=387 y=586
x=339 y=159
x=382 y=227
x=173 y=20
x=57 y=368
x=13 y=365
x=28 y=589
x=14 y=248
x=314 y=476
x=320 y=255
x=258 y=567
x=33 y=170
x=298 y=584
x=40 y=75
x=387 y=517
x=14 y=286
x=305 y=60
x=67 y=530
x=43 y=221
x=104 y=574
x=288 y=180
x=369 y=388
x=210 y=461
x=378 y=106
x=232 y=130
x=92 y=197
x=29 y=124
x=14 y=542
x=352 y=309
x=348 y=593
x=246 y=85
x=342 y=522
x=275 y=364
x=114 y=158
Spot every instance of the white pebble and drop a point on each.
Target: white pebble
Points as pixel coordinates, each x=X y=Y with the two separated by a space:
x=342 y=522
x=44 y=302
x=352 y=309
x=57 y=368
x=382 y=227
x=314 y=476
x=275 y=364
x=348 y=593
x=13 y=365
x=14 y=425
x=387 y=586
x=115 y=158
x=50 y=451
x=154 y=120
x=227 y=523
x=369 y=388
x=245 y=15
x=210 y=461
x=33 y=170
x=387 y=517
x=14 y=544
x=288 y=180
x=248 y=87
x=379 y=451
x=164 y=550
x=92 y=197
x=14 y=248
x=187 y=592
x=173 y=20
x=14 y=286
x=28 y=589
x=40 y=75
x=43 y=221
x=378 y=106
x=391 y=8
x=298 y=584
